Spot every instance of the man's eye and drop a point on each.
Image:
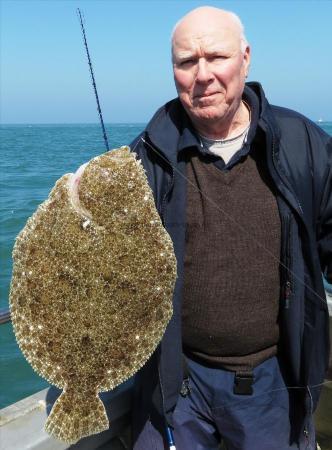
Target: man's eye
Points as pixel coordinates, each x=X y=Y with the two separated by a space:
x=218 y=57
x=186 y=62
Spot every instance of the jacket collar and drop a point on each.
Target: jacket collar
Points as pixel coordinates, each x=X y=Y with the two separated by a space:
x=171 y=131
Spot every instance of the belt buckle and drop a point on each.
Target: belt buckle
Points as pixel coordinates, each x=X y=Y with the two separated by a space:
x=243 y=384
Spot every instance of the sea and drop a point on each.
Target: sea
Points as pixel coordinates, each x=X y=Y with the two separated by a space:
x=32 y=158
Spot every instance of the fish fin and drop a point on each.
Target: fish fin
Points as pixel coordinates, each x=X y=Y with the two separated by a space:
x=75 y=415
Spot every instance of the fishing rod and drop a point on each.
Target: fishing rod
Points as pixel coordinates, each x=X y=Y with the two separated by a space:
x=93 y=79
x=169 y=431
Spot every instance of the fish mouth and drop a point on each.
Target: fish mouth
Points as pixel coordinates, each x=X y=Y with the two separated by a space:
x=73 y=186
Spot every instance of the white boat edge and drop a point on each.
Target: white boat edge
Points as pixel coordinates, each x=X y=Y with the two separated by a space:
x=22 y=423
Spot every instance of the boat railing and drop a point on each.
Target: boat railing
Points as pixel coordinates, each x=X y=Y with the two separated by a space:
x=22 y=424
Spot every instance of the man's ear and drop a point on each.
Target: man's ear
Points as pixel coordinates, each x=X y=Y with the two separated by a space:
x=246 y=60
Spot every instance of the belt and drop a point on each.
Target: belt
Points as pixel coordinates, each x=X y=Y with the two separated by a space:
x=243 y=381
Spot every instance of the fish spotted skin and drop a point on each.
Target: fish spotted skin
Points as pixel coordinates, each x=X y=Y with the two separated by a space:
x=91 y=293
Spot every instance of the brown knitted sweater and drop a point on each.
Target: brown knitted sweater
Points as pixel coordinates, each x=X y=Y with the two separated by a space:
x=231 y=283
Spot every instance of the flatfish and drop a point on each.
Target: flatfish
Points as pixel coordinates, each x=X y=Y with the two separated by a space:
x=91 y=293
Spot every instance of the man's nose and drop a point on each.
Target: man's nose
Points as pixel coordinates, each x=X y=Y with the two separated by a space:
x=204 y=73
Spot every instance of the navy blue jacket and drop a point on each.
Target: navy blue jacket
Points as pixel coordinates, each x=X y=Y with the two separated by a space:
x=299 y=159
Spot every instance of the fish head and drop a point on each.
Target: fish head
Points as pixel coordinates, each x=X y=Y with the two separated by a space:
x=108 y=187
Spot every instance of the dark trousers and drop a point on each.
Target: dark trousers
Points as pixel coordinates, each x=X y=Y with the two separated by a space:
x=212 y=413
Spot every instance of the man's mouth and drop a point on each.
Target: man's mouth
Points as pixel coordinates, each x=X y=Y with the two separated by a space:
x=205 y=95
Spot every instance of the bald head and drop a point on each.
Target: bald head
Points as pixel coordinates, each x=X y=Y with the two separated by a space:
x=211 y=60
x=206 y=17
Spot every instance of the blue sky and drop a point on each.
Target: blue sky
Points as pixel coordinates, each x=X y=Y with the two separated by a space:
x=44 y=72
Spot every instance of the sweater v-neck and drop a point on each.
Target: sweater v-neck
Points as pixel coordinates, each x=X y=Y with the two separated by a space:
x=225 y=177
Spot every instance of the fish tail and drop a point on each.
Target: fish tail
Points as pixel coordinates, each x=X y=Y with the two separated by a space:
x=75 y=415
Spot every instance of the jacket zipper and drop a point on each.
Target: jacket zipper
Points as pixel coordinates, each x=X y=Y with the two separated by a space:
x=288 y=277
x=306 y=432
x=287 y=268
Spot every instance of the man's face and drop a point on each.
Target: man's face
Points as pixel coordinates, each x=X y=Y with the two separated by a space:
x=209 y=70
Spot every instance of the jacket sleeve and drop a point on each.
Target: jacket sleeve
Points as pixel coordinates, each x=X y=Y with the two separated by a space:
x=324 y=229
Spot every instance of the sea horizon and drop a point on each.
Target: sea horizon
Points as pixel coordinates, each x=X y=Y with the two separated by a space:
x=68 y=123
x=318 y=121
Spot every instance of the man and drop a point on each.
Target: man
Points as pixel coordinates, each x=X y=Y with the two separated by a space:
x=244 y=190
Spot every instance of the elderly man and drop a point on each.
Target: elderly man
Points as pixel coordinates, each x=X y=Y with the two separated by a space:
x=244 y=189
